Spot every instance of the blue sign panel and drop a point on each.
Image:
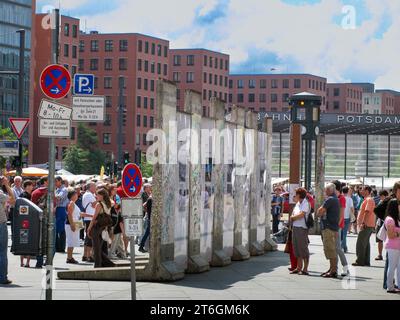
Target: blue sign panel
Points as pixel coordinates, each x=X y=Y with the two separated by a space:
x=84 y=84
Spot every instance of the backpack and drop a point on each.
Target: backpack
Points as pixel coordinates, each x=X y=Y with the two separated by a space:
x=309 y=219
x=380 y=209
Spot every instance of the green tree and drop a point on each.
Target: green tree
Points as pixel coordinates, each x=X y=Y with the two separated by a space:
x=87 y=153
x=76 y=159
x=7 y=135
x=147 y=168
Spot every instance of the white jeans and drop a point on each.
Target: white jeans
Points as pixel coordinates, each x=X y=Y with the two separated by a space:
x=394 y=263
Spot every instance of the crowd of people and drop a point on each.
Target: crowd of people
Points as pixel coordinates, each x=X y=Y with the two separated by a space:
x=361 y=211
x=86 y=214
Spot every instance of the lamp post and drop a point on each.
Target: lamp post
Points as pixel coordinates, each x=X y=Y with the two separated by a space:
x=306 y=111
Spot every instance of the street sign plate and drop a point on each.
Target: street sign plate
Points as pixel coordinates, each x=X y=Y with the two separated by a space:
x=52 y=110
x=19 y=126
x=132 y=180
x=133 y=227
x=84 y=84
x=9 y=148
x=51 y=128
x=55 y=81
x=88 y=109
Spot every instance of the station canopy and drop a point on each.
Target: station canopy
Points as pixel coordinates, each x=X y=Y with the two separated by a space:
x=352 y=124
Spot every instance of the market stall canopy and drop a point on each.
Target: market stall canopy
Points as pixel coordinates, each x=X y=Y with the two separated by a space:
x=30 y=173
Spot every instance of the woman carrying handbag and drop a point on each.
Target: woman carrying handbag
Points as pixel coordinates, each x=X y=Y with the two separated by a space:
x=98 y=230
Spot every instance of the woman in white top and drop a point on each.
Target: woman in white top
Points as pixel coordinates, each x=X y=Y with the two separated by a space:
x=300 y=232
x=71 y=228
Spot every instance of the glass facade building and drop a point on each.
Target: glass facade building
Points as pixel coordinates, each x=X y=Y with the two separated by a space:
x=14 y=15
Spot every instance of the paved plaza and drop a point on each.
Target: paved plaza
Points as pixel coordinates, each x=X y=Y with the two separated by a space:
x=260 y=278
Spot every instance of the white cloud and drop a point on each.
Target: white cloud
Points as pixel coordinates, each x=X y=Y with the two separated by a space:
x=303 y=34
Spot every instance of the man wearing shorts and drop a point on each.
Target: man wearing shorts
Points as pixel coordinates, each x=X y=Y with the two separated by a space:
x=330 y=216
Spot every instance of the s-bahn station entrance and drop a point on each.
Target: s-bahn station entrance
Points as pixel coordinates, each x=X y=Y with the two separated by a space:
x=365 y=147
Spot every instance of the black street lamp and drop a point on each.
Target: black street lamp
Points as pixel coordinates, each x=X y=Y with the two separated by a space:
x=306 y=111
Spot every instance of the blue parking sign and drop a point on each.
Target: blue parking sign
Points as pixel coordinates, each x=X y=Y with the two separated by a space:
x=84 y=84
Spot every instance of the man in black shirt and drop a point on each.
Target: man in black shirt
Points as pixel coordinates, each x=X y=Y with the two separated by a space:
x=147 y=204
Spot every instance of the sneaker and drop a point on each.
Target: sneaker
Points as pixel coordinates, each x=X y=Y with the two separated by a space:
x=345 y=271
x=84 y=259
x=142 y=250
x=72 y=261
x=379 y=258
x=6 y=283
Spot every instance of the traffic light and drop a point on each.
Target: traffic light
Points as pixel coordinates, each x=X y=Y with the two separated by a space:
x=108 y=168
x=138 y=157
x=115 y=168
x=126 y=158
x=124 y=116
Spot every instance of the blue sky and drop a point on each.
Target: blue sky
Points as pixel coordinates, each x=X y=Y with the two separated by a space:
x=343 y=40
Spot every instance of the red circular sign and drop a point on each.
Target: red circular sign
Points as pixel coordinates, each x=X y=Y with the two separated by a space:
x=132 y=181
x=55 y=81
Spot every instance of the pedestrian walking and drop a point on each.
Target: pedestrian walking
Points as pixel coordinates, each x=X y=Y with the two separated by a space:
x=276 y=207
x=73 y=226
x=366 y=224
x=6 y=197
x=147 y=195
x=348 y=214
x=330 y=215
x=98 y=230
x=62 y=201
x=380 y=219
x=89 y=203
x=27 y=194
x=300 y=232
x=392 y=245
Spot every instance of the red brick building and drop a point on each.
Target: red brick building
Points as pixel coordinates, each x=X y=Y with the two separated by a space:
x=41 y=57
x=344 y=98
x=270 y=92
x=201 y=70
x=140 y=60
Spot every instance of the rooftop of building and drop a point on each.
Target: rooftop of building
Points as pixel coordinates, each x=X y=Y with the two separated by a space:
x=96 y=33
x=274 y=75
x=199 y=49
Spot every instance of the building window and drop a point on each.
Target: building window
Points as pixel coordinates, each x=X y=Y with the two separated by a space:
x=123 y=64
x=139 y=64
x=74 y=52
x=152 y=85
x=145 y=102
x=138 y=101
x=165 y=70
x=109 y=45
x=108 y=64
x=145 y=121
x=336 y=105
x=216 y=63
x=230 y=98
x=336 y=92
x=286 y=83
x=139 y=83
x=94 y=45
x=144 y=139
x=94 y=64
x=274 y=98
x=146 y=66
x=285 y=98
x=240 y=98
x=221 y=64
x=297 y=83
x=138 y=120
x=165 y=52
x=205 y=61
x=190 y=77
x=177 y=60
x=210 y=62
x=274 y=84
x=204 y=94
x=153 y=67
x=107 y=83
x=252 y=84
x=66 y=30
x=158 y=68
x=151 y=103
x=146 y=47
x=108 y=102
x=66 y=50
x=215 y=80
x=146 y=84
x=240 y=84
x=230 y=84
x=81 y=64
x=205 y=77
x=75 y=31
x=107 y=121
x=81 y=46
x=210 y=78
x=252 y=98
x=140 y=45
x=226 y=82
x=263 y=97
x=226 y=65
x=263 y=84
x=123 y=45
x=107 y=138
x=151 y=122
x=153 y=48
x=190 y=60
x=177 y=77
x=221 y=81
x=159 y=50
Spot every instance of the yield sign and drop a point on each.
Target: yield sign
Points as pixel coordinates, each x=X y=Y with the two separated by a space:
x=55 y=81
x=19 y=126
